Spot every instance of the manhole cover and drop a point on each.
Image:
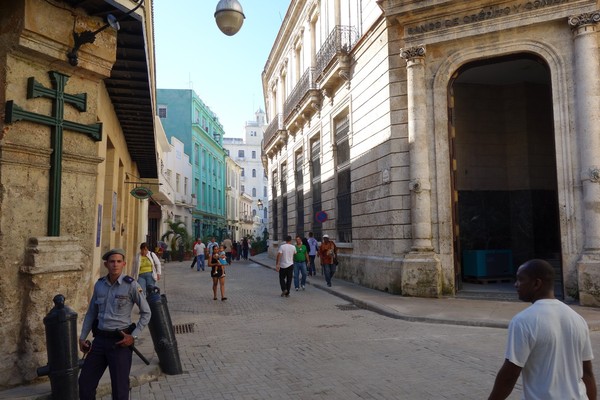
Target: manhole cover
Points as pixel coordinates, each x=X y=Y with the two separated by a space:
x=180 y=329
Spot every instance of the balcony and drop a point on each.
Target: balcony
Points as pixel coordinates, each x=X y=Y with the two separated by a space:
x=303 y=102
x=333 y=59
x=275 y=135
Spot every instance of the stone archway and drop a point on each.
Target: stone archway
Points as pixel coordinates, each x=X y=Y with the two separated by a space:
x=504 y=169
x=444 y=73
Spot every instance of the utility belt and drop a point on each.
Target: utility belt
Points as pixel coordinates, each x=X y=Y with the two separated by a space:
x=116 y=334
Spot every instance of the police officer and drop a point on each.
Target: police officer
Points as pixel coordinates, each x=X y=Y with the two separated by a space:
x=109 y=318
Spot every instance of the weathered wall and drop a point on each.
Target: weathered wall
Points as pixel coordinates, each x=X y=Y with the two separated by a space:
x=35 y=36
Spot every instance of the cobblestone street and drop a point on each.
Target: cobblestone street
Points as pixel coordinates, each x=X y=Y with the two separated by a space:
x=313 y=345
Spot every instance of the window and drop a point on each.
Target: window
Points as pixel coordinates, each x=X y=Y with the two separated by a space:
x=275 y=209
x=299 y=194
x=196 y=154
x=177 y=183
x=185 y=185
x=315 y=158
x=284 y=201
x=315 y=187
x=264 y=191
x=243 y=188
x=242 y=173
x=253 y=173
x=343 y=179
x=162 y=111
x=253 y=192
x=241 y=153
x=253 y=154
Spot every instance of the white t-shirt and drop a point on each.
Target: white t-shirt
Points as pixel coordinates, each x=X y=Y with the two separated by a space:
x=287 y=252
x=550 y=342
x=199 y=249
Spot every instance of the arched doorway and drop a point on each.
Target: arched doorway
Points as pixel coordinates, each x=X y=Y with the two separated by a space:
x=504 y=175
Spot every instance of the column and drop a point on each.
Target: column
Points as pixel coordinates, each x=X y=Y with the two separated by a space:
x=421 y=267
x=418 y=146
x=587 y=122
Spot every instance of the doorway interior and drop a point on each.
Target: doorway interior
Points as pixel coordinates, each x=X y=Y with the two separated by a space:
x=503 y=158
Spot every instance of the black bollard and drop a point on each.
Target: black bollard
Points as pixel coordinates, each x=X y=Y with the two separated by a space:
x=61 y=343
x=163 y=335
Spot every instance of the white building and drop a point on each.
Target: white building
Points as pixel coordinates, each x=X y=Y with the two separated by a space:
x=176 y=176
x=440 y=143
x=232 y=198
x=247 y=152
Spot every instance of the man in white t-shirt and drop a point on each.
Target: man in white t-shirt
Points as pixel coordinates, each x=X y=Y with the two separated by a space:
x=199 y=248
x=285 y=265
x=548 y=342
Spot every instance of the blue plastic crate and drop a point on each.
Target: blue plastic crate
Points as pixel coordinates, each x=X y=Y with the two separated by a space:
x=487 y=263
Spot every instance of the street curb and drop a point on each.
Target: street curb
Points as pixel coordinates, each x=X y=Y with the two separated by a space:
x=390 y=313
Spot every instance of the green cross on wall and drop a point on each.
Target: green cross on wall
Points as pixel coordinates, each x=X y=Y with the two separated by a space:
x=57 y=125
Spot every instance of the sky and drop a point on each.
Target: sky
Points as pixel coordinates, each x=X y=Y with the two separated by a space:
x=224 y=71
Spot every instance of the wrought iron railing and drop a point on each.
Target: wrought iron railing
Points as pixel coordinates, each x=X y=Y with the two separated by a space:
x=341 y=40
x=275 y=125
x=306 y=83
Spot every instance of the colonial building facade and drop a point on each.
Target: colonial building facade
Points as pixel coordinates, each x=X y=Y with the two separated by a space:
x=232 y=193
x=185 y=116
x=439 y=142
x=247 y=152
x=77 y=136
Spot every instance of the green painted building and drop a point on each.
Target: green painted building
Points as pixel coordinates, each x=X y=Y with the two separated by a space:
x=185 y=116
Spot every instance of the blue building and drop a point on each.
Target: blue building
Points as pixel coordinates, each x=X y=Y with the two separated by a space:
x=185 y=116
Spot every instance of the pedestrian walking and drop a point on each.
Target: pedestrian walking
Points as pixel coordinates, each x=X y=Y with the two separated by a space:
x=217 y=273
x=548 y=343
x=328 y=255
x=284 y=265
x=238 y=249
x=245 y=248
x=228 y=244
x=108 y=317
x=199 y=250
x=194 y=260
x=212 y=246
x=146 y=268
x=313 y=247
x=300 y=264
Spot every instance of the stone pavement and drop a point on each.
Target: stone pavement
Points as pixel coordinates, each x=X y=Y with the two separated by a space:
x=447 y=310
x=452 y=311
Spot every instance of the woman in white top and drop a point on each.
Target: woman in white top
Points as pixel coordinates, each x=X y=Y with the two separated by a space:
x=146 y=268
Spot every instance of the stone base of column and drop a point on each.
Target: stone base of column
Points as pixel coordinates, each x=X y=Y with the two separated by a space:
x=588 y=279
x=421 y=275
x=52 y=265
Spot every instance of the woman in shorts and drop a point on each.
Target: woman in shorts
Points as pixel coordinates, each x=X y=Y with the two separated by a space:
x=217 y=273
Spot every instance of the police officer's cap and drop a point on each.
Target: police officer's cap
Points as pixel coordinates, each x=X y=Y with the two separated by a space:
x=113 y=251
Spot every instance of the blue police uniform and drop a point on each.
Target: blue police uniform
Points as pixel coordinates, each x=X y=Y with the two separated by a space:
x=109 y=312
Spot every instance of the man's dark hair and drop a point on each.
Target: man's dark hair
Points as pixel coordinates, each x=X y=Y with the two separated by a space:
x=310 y=234
x=540 y=269
x=288 y=238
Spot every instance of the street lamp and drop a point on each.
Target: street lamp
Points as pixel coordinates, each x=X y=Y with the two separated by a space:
x=260 y=205
x=79 y=39
x=229 y=16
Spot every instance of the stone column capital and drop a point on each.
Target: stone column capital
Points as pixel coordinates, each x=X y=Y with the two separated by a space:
x=413 y=53
x=582 y=20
